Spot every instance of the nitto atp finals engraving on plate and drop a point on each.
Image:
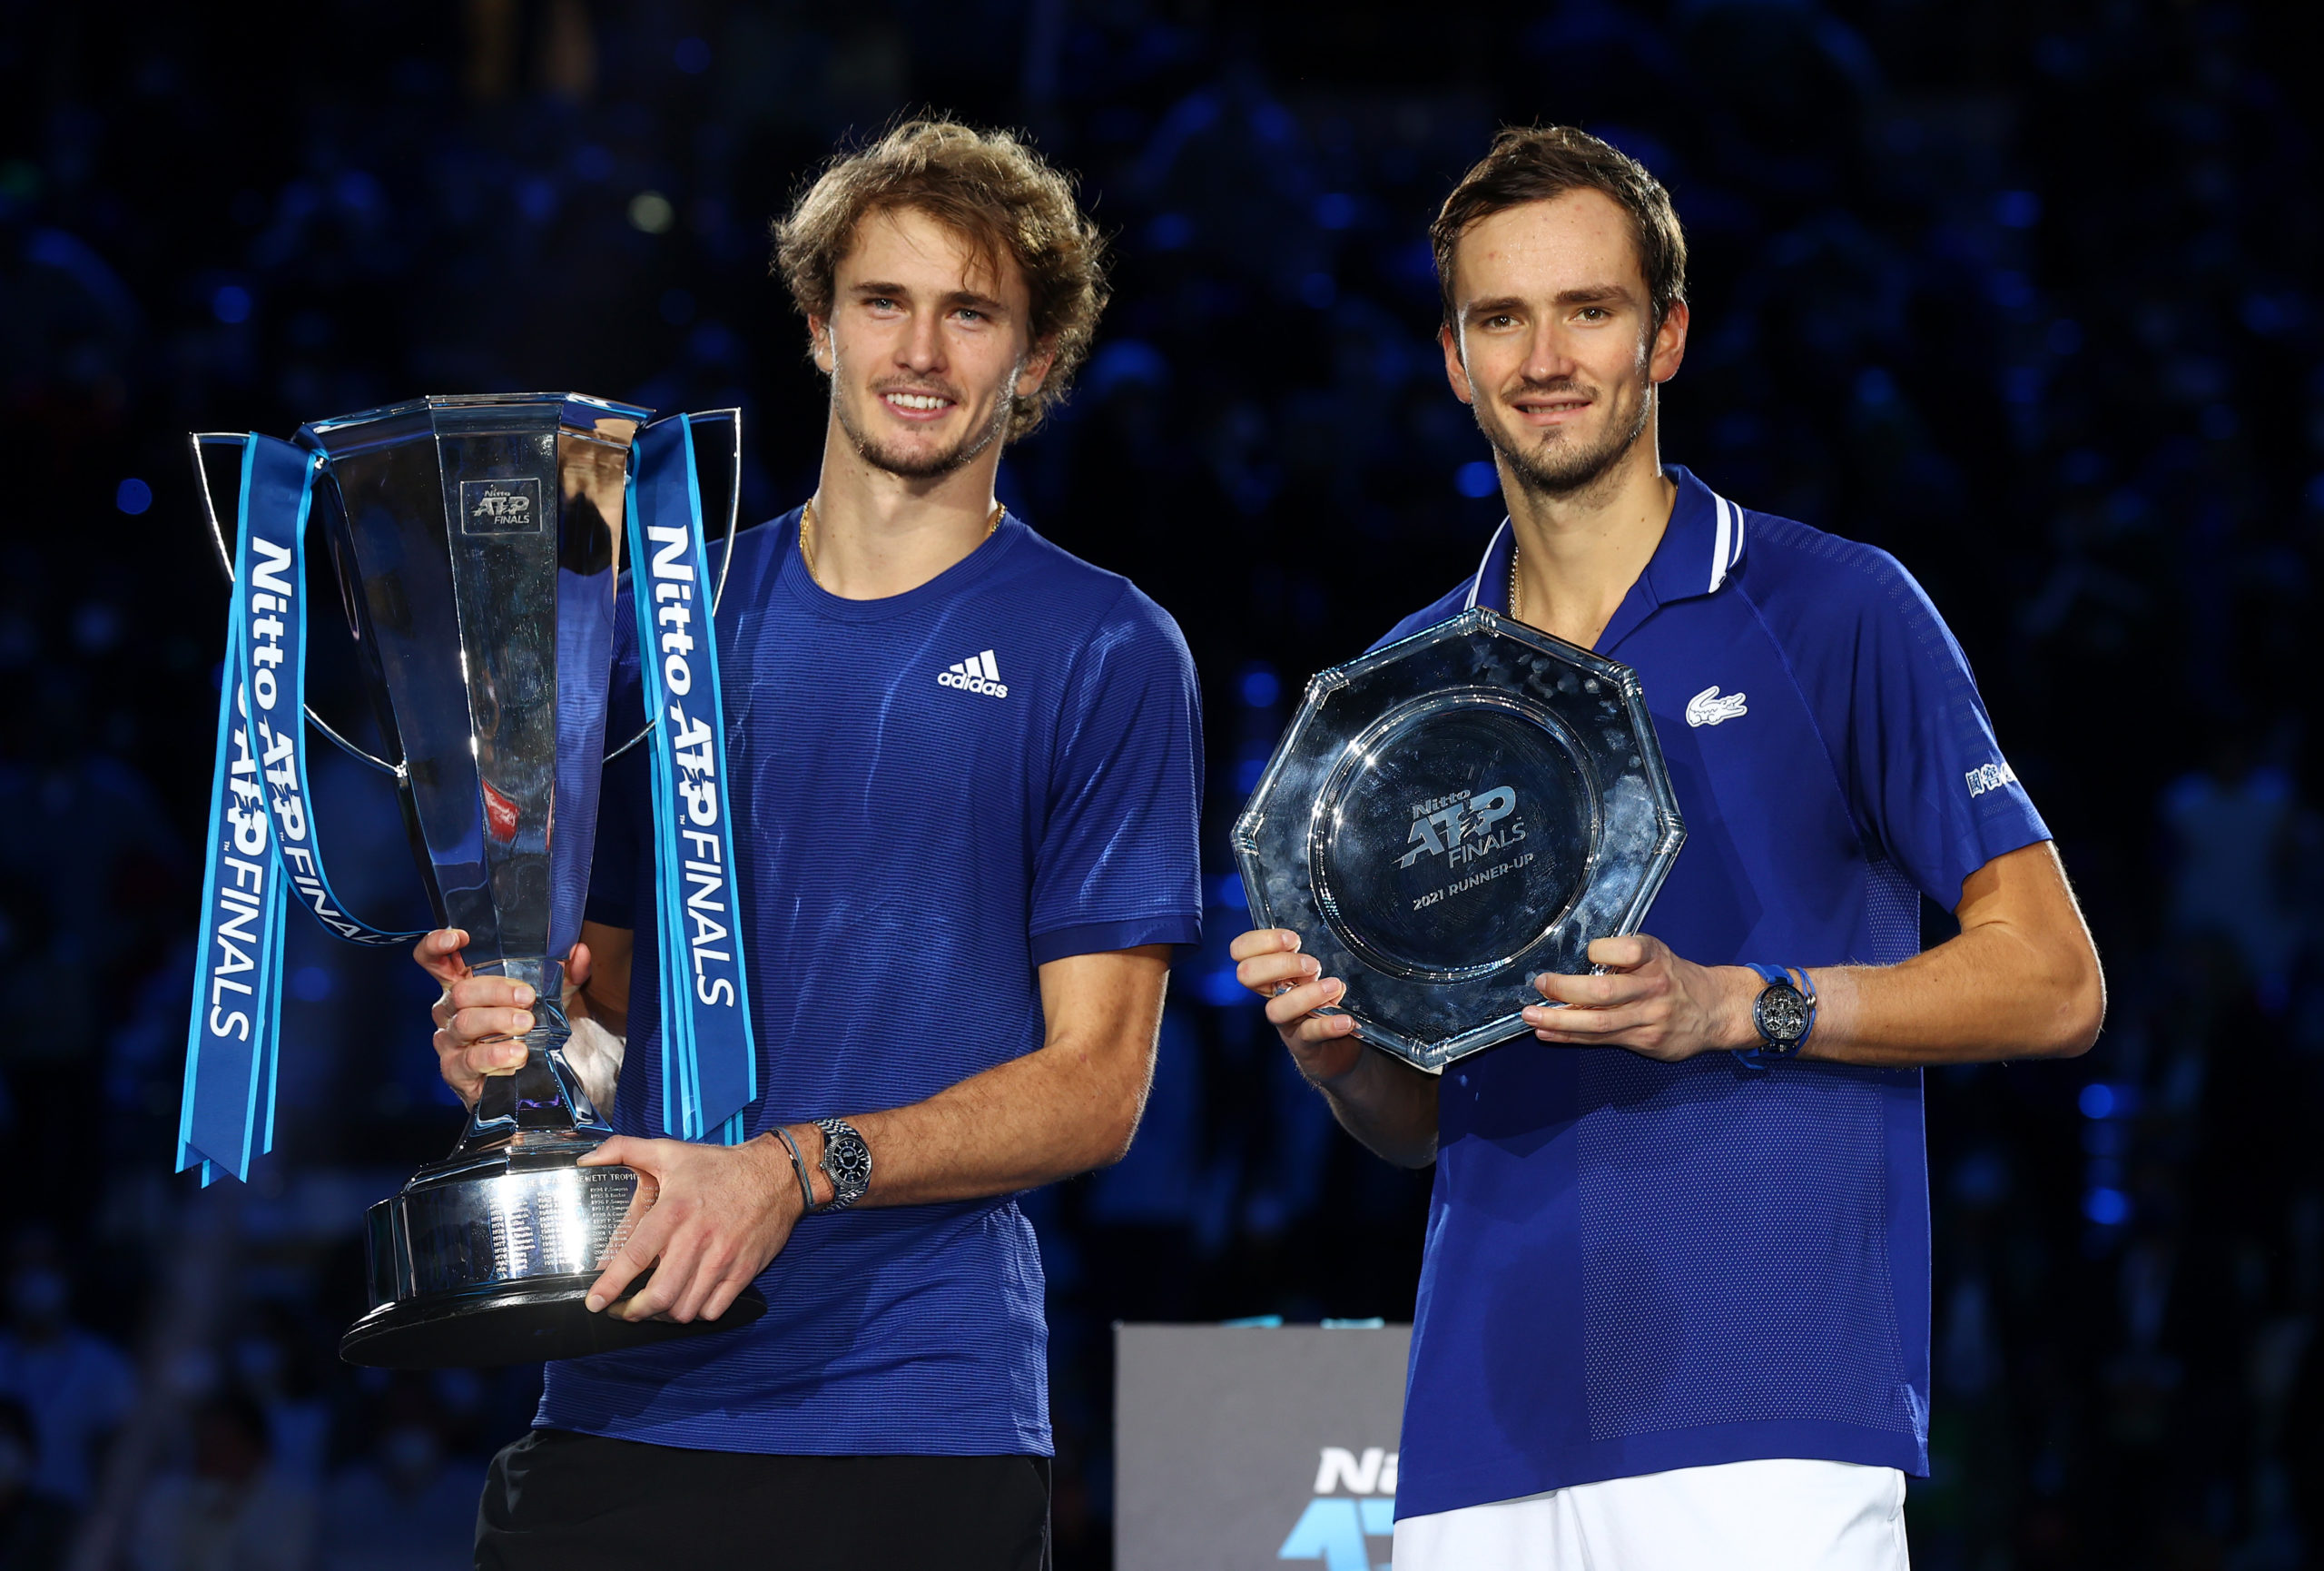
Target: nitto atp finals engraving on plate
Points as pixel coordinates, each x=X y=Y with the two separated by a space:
x=1461 y=828
x=501 y=507
x=1439 y=844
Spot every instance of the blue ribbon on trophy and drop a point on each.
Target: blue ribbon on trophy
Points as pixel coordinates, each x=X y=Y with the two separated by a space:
x=263 y=848
x=263 y=839
x=710 y=1067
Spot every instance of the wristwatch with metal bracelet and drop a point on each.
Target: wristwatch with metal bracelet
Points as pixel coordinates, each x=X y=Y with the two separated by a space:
x=847 y=1163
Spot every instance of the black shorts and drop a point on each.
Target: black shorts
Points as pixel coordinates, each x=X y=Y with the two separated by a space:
x=558 y=1501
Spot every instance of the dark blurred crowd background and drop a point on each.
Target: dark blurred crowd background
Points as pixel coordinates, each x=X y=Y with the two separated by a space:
x=2027 y=293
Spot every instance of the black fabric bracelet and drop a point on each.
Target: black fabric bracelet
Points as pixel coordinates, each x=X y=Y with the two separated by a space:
x=798 y=1166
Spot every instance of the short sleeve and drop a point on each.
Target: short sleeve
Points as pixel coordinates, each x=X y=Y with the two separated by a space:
x=1118 y=861
x=1928 y=777
x=625 y=803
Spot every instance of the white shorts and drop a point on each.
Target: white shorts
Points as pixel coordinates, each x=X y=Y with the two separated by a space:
x=1781 y=1515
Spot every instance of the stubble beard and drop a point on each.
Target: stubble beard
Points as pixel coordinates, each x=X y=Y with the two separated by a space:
x=1558 y=470
x=920 y=467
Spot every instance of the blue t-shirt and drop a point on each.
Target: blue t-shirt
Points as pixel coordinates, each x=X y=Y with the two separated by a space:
x=934 y=795
x=1633 y=1266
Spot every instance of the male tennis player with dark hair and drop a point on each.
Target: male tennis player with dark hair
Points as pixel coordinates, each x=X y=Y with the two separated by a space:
x=1674 y=1305
x=965 y=770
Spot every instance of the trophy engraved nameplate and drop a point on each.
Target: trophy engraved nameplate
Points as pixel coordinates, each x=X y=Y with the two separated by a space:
x=1450 y=817
x=477 y=543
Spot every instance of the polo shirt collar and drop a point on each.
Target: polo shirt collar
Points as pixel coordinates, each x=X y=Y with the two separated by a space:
x=1701 y=546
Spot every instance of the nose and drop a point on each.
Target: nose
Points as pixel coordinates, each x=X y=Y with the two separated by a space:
x=921 y=349
x=1548 y=356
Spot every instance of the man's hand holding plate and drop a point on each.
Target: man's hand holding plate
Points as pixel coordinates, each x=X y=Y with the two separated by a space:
x=1648 y=1000
x=1267 y=960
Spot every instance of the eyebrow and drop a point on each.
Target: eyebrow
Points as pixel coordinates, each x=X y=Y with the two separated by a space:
x=1587 y=294
x=968 y=297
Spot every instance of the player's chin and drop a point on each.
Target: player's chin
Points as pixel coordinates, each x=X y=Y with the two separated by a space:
x=919 y=454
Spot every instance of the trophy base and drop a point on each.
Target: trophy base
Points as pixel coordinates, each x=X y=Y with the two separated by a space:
x=487 y=1257
x=521 y=1323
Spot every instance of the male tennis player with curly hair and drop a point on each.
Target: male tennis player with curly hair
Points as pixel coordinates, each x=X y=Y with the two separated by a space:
x=966 y=774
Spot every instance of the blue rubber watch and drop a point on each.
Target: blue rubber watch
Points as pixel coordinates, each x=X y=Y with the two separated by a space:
x=1783 y=1014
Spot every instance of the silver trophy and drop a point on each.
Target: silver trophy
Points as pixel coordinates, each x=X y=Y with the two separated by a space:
x=1452 y=816
x=477 y=543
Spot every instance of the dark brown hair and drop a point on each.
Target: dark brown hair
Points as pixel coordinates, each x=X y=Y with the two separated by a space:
x=990 y=188
x=1538 y=162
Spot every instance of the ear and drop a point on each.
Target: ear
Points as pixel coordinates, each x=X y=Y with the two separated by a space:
x=1455 y=371
x=819 y=344
x=1034 y=370
x=1670 y=344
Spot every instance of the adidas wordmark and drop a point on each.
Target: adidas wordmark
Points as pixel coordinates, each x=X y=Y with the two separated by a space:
x=977 y=674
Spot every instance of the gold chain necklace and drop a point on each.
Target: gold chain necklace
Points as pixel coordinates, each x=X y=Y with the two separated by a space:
x=807 y=549
x=1516 y=587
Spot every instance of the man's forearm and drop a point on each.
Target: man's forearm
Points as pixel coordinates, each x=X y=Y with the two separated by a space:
x=1030 y=1121
x=2021 y=980
x=1986 y=994
x=1067 y=1107
x=1388 y=1106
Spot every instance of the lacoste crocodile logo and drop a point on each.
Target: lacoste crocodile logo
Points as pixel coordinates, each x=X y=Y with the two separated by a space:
x=1707 y=708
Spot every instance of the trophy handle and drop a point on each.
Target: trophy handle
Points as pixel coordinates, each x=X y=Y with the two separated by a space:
x=712 y=427
x=199 y=442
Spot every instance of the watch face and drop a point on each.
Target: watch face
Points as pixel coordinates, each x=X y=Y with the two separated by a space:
x=846 y=1159
x=1781 y=1013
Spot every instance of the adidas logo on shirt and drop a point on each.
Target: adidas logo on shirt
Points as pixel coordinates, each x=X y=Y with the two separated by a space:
x=977 y=674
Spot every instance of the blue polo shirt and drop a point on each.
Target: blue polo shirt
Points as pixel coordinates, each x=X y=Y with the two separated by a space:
x=934 y=795
x=1632 y=1266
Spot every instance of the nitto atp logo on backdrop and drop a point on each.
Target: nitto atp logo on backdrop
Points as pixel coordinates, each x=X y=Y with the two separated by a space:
x=1335 y=1525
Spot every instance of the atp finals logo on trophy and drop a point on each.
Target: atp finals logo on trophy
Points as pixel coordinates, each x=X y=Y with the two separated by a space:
x=485 y=630
x=501 y=507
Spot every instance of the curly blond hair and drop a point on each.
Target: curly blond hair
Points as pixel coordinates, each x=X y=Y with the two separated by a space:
x=997 y=193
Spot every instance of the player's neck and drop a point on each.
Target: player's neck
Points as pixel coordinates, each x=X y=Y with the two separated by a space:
x=1578 y=554
x=876 y=534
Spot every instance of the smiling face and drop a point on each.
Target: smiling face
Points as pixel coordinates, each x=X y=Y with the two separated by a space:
x=925 y=346
x=1556 y=348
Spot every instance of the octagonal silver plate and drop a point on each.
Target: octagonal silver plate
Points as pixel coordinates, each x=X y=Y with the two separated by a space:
x=1452 y=816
